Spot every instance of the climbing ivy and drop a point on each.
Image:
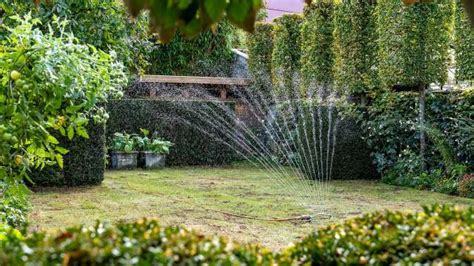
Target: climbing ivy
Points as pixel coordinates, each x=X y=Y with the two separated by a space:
x=317 y=55
x=286 y=53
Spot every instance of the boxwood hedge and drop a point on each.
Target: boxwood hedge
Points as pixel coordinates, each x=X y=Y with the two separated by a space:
x=437 y=235
x=84 y=164
x=176 y=121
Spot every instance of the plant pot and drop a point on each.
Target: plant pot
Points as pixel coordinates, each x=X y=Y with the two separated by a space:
x=124 y=160
x=151 y=160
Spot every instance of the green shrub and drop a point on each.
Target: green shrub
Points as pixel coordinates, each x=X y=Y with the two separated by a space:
x=208 y=54
x=466 y=186
x=355 y=48
x=260 y=49
x=286 y=54
x=464 y=40
x=437 y=235
x=413 y=42
x=192 y=145
x=317 y=54
x=84 y=164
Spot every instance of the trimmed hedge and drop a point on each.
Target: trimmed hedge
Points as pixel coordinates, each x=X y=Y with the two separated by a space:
x=317 y=55
x=260 y=49
x=84 y=164
x=355 y=47
x=437 y=235
x=413 y=42
x=464 y=40
x=192 y=146
x=286 y=54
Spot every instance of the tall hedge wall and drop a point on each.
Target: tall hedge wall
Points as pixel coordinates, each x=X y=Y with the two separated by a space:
x=355 y=47
x=286 y=54
x=413 y=41
x=464 y=40
x=260 y=48
x=209 y=54
x=84 y=164
x=317 y=54
x=192 y=146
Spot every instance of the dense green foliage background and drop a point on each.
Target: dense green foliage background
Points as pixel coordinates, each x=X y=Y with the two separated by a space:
x=464 y=45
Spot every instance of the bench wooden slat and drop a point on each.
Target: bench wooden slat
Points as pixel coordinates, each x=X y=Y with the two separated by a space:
x=195 y=80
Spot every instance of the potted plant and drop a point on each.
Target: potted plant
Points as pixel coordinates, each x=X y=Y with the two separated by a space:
x=123 y=154
x=153 y=150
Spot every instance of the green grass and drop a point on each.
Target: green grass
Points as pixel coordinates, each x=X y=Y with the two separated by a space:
x=202 y=199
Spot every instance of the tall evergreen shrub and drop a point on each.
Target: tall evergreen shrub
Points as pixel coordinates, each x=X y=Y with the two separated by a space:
x=355 y=47
x=464 y=40
x=286 y=54
x=413 y=42
x=260 y=48
x=317 y=55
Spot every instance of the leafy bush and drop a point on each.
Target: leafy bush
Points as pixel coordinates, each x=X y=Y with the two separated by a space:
x=123 y=142
x=260 y=48
x=413 y=42
x=49 y=84
x=192 y=146
x=439 y=234
x=355 y=48
x=466 y=186
x=104 y=24
x=317 y=54
x=464 y=41
x=12 y=213
x=286 y=54
x=209 y=54
x=152 y=144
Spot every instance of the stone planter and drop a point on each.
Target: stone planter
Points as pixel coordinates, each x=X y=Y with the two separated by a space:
x=151 y=160
x=124 y=160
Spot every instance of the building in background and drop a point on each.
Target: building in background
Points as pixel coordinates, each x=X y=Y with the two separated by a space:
x=276 y=8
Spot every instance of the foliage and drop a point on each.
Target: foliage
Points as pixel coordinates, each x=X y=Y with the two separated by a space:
x=260 y=49
x=12 y=213
x=376 y=238
x=177 y=122
x=152 y=144
x=84 y=164
x=286 y=54
x=193 y=17
x=464 y=41
x=208 y=54
x=393 y=238
x=317 y=54
x=466 y=186
x=413 y=42
x=123 y=142
x=355 y=47
x=104 y=24
x=392 y=132
x=49 y=84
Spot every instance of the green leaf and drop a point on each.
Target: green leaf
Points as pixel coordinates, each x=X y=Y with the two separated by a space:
x=215 y=8
x=70 y=132
x=52 y=140
x=59 y=160
x=82 y=132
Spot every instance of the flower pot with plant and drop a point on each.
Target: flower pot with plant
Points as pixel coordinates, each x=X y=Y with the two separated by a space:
x=123 y=154
x=153 y=150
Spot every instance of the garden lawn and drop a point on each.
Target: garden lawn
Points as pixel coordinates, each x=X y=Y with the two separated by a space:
x=210 y=199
